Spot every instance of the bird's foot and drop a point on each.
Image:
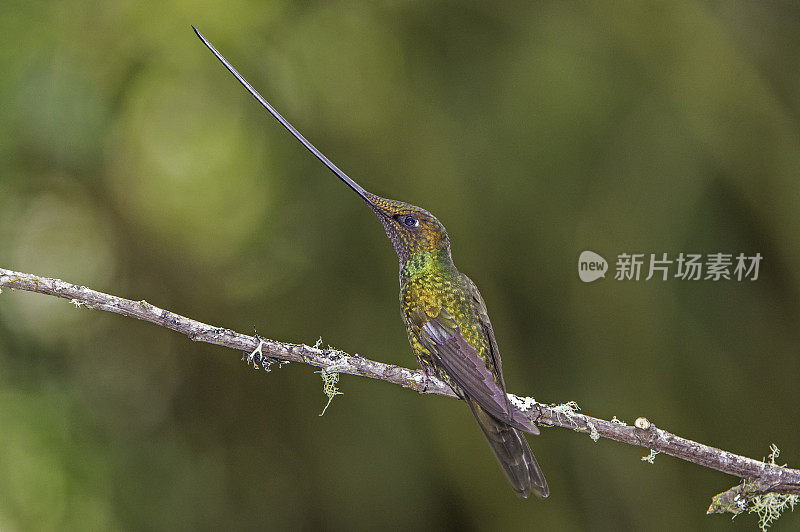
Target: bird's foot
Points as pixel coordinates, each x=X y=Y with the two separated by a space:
x=426 y=379
x=257 y=357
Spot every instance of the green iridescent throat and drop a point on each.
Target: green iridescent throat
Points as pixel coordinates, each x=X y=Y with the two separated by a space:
x=427 y=262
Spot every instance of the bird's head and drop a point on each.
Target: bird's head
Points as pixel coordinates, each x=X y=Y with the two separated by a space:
x=411 y=229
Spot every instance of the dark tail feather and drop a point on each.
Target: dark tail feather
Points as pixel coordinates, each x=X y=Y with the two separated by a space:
x=513 y=453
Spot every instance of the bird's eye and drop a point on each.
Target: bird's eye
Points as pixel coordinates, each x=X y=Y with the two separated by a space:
x=410 y=221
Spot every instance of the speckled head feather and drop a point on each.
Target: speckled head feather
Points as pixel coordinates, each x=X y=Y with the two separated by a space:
x=412 y=229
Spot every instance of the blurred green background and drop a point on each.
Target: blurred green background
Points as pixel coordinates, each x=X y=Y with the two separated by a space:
x=131 y=162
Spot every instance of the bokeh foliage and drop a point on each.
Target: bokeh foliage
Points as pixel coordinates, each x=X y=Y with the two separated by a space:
x=131 y=162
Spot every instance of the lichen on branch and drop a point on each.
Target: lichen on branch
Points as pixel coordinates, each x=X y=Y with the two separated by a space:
x=768 y=488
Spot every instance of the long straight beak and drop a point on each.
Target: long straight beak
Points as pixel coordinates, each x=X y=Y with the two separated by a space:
x=285 y=123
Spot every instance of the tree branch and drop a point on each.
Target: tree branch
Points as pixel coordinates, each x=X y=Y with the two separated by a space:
x=761 y=477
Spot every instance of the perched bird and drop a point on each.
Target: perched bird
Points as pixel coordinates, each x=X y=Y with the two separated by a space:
x=446 y=320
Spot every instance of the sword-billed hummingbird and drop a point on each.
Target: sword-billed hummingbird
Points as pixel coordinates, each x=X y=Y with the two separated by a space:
x=445 y=317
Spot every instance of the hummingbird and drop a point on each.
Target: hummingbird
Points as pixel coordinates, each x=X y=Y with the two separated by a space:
x=445 y=317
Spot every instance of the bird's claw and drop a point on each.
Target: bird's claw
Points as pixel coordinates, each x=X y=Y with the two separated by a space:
x=425 y=380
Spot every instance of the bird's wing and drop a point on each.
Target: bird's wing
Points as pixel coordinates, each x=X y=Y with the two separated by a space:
x=483 y=318
x=494 y=353
x=439 y=333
